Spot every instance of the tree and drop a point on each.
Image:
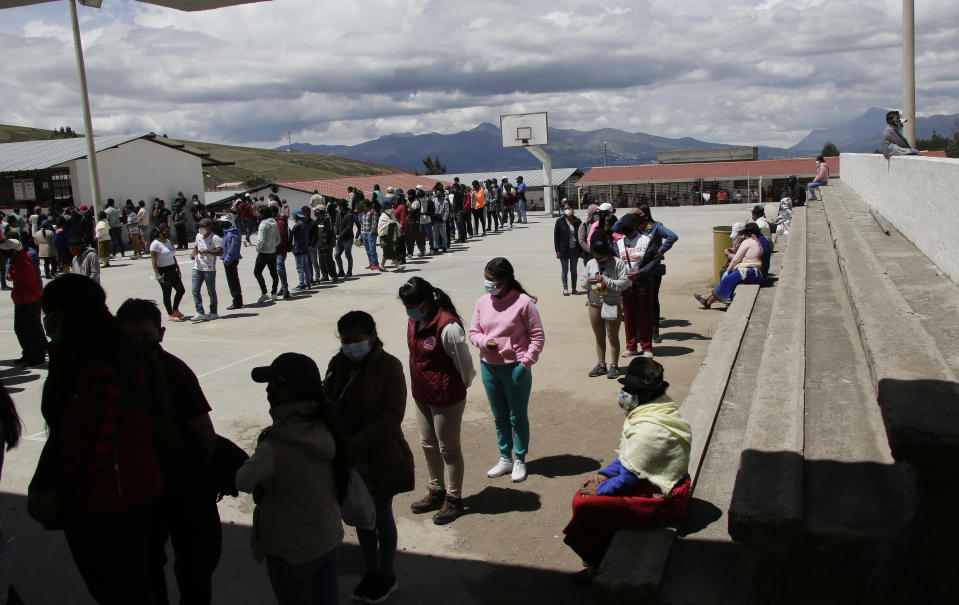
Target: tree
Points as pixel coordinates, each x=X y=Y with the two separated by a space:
x=829 y=150
x=937 y=141
x=434 y=166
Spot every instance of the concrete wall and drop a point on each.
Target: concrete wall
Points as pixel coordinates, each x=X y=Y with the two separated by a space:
x=139 y=170
x=919 y=195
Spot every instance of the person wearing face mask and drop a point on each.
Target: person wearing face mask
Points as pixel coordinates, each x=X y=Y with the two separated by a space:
x=605 y=279
x=26 y=302
x=508 y=332
x=441 y=369
x=604 y=211
x=187 y=511
x=388 y=230
x=893 y=142
x=640 y=251
x=822 y=178
x=167 y=272
x=648 y=483
x=84 y=260
x=207 y=247
x=367 y=388
x=298 y=475
x=566 y=244
x=98 y=476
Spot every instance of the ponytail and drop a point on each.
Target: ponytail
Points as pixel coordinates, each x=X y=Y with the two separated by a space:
x=500 y=268
x=417 y=290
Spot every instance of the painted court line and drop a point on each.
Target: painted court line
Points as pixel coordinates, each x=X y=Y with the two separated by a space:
x=41 y=436
x=230 y=365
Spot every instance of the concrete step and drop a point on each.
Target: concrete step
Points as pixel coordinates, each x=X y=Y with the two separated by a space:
x=851 y=489
x=916 y=385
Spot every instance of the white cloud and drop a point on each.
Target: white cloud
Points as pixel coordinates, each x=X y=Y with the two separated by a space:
x=725 y=71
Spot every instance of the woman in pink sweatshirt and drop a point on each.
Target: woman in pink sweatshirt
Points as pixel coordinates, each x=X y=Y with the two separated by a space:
x=509 y=334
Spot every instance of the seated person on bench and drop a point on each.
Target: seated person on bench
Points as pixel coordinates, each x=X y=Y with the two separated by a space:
x=744 y=268
x=648 y=484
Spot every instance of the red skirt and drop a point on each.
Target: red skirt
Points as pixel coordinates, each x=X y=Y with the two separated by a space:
x=596 y=519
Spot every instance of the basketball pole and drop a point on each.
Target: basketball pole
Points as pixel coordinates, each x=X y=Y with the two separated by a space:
x=543 y=157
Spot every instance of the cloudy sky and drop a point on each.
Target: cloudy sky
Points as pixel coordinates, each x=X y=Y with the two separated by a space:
x=729 y=71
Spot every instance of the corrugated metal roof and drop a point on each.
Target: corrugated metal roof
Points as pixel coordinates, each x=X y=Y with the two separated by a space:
x=802 y=167
x=532 y=178
x=40 y=155
x=336 y=186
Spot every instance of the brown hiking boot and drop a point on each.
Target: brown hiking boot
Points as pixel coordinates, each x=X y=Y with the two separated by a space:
x=452 y=508
x=433 y=500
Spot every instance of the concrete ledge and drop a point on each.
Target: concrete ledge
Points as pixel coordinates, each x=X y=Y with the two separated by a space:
x=767 y=501
x=917 y=390
x=634 y=563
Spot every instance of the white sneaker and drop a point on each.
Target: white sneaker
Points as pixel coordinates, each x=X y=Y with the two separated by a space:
x=273 y=297
x=502 y=467
x=198 y=318
x=648 y=354
x=519 y=471
x=212 y=316
x=263 y=298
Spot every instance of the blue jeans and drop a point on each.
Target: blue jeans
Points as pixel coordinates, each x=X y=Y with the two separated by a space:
x=724 y=290
x=509 y=403
x=369 y=242
x=246 y=229
x=281 y=271
x=199 y=277
x=440 y=239
x=816 y=185
x=567 y=263
x=304 y=272
x=310 y=583
x=116 y=240
x=379 y=544
x=521 y=210
x=426 y=231
x=344 y=245
x=315 y=270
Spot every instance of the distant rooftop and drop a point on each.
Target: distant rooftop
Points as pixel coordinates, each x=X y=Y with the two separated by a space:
x=711 y=171
x=532 y=178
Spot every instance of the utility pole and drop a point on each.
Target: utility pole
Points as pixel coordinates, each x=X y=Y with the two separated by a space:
x=289 y=140
x=909 y=70
x=604 y=155
x=87 y=120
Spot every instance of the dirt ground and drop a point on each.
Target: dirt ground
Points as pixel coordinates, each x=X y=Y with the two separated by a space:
x=509 y=546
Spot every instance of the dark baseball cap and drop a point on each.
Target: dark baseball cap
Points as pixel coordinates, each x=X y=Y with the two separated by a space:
x=295 y=369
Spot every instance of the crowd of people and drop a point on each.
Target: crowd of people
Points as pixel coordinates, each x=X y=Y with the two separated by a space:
x=623 y=270
x=335 y=447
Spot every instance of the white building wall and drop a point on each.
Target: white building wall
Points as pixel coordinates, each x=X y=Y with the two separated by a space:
x=139 y=170
x=294 y=197
x=919 y=195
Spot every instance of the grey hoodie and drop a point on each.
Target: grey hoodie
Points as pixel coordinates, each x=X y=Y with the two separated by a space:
x=267 y=236
x=615 y=279
x=86 y=263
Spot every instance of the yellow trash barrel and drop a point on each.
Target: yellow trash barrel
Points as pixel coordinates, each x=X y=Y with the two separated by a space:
x=721 y=241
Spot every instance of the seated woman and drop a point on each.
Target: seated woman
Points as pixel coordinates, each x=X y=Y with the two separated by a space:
x=744 y=268
x=648 y=484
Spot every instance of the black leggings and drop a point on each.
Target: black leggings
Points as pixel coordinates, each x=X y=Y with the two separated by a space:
x=657 y=283
x=268 y=260
x=478 y=220
x=171 y=281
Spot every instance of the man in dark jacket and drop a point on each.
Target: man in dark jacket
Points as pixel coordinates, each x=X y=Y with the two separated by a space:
x=281 y=249
x=231 y=260
x=300 y=237
x=344 y=234
x=325 y=241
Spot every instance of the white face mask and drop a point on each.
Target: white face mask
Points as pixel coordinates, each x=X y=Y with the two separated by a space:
x=491 y=287
x=568 y=212
x=356 y=351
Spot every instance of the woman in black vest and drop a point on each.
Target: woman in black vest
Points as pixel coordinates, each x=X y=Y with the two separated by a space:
x=441 y=369
x=566 y=244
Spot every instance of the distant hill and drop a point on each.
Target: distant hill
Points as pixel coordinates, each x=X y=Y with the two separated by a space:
x=252 y=163
x=480 y=149
x=863 y=134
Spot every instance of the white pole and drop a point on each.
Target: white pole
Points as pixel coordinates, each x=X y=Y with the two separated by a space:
x=909 y=69
x=87 y=122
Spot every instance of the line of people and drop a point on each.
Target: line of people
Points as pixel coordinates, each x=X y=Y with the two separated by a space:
x=624 y=268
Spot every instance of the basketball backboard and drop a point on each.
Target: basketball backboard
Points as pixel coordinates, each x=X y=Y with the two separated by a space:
x=524 y=129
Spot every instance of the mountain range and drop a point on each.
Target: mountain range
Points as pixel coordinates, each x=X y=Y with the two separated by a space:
x=480 y=149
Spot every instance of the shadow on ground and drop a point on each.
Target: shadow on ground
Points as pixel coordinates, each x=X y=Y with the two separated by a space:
x=44 y=572
x=562 y=465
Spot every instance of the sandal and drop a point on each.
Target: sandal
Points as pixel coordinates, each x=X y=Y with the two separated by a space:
x=702 y=301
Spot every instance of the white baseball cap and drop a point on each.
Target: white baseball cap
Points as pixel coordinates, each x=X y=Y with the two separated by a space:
x=737 y=227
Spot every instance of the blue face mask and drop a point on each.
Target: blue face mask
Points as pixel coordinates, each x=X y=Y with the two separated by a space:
x=356 y=350
x=415 y=314
x=491 y=287
x=627 y=401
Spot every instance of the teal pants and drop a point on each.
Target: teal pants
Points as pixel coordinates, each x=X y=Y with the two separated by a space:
x=509 y=403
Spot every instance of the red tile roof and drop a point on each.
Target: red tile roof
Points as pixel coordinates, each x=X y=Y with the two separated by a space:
x=803 y=167
x=336 y=186
x=937 y=153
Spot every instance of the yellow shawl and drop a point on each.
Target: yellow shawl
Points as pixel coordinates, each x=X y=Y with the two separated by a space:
x=656 y=442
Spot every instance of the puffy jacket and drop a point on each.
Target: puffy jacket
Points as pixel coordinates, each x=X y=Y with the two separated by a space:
x=267 y=236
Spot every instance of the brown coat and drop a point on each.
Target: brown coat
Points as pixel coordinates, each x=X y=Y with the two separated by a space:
x=371 y=408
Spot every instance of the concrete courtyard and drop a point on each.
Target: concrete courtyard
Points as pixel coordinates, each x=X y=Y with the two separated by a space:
x=509 y=546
